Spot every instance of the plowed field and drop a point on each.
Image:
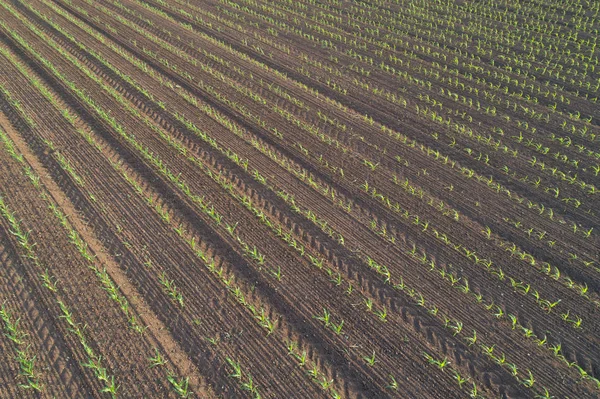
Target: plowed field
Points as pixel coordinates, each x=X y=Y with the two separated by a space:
x=299 y=199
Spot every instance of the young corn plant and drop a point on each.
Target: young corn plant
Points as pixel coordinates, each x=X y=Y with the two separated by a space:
x=393 y=385
x=11 y=328
x=22 y=237
x=529 y=381
x=325 y=318
x=276 y=273
x=545 y=395
x=94 y=360
x=245 y=380
x=22 y=356
x=171 y=289
x=370 y=359
x=181 y=386
x=441 y=364
x=157 y=360
x=460 y=379
x=472 y=340
x=382 y=314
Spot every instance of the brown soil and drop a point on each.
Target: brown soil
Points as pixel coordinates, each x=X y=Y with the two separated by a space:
x=198 y=146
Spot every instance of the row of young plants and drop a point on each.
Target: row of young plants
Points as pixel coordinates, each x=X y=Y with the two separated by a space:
x=413 y=27
x=570 y=255
x=244 y=378
x=94 y=361
x=16 y=104
x=74 y=238
x=383 y=66
x=23 y=353
x=574 y=319
x=551 y=215
x=263 y=319
x=179 y=385
x=586 y=186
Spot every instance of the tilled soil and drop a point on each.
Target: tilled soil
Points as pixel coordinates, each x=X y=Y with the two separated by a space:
x=216 y=210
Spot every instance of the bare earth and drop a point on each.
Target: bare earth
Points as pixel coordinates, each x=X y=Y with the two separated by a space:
x=299 y=199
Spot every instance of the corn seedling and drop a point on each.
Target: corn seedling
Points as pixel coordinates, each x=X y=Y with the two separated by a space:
x=180 y=386
x=545 y=395
x=393 y=383
x=48 y=281
x=326 y=318
x=441 y=364
x=277 y=273
x=24 y=358
x=170 y=289
x=337 y=328
x=457 y=327
x=382 y=314
x=369 y=304
x=370 y=359
x=157 y=360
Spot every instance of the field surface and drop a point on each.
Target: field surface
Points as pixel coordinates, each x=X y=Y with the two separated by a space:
x=299 y=199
